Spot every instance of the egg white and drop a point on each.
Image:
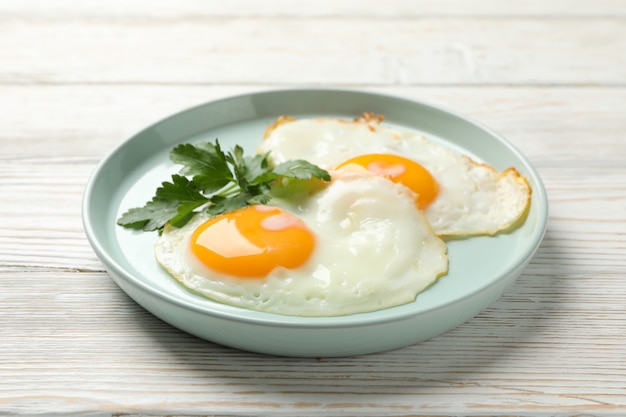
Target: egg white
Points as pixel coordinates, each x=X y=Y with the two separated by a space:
x=474 y=198
x=374 y=250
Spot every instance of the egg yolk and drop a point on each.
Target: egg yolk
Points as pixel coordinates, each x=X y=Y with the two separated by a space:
x=400 y=170
x=252 y=241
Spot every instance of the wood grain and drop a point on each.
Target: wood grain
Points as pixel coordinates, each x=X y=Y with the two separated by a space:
x=79 y=77
x=210 y=51
x=188 y=9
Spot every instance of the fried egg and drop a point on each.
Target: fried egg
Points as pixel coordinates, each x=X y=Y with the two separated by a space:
x=358 y=244
x=459 y=196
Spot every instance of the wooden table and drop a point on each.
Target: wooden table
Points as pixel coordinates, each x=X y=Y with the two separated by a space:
x=78 y=77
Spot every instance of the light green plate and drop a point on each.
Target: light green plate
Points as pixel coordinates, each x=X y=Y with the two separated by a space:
x=480 y=268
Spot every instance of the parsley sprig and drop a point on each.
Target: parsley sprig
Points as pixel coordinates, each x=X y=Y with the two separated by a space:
x=216 y=182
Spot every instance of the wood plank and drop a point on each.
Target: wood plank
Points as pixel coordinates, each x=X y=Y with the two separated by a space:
x=81 y=124
x=217 y=51
x=321 y=8
x=535 y=345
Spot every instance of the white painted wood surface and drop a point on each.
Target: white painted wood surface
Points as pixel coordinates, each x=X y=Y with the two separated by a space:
x=78 y=77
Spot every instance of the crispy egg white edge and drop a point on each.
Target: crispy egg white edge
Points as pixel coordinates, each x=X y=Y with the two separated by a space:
x=512 y=191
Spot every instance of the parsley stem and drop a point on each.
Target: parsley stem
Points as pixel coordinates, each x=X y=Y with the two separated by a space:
x=230 y=190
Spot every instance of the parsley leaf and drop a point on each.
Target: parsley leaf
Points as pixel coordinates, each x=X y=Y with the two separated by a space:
x=174 y=202
x=206 y=163
x=294 y=169
x=152 y=216
x=216 y=182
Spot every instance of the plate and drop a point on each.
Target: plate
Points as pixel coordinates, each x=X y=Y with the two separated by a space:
x=481 y=268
